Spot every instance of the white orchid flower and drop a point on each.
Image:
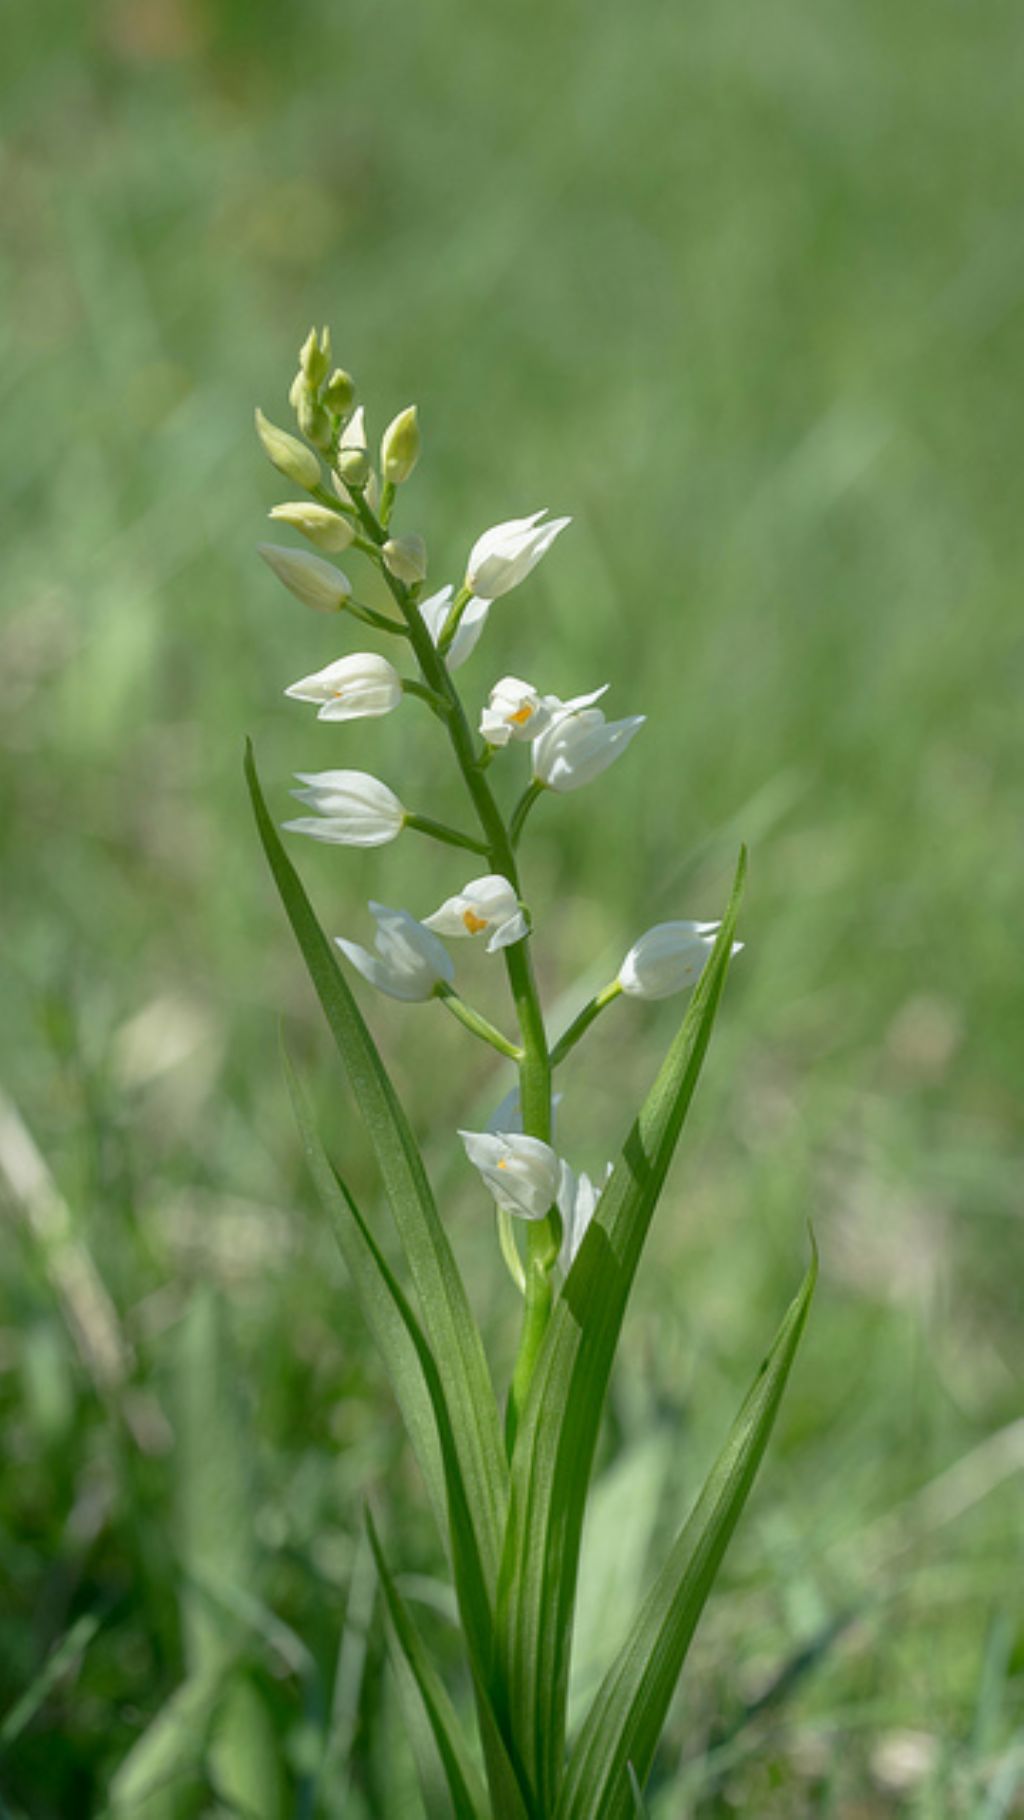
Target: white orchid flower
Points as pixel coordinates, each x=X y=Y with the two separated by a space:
x=577 y=1201
x=515 y=710
x=359 y=687
x=435 y=610
x=410 y=963
x=668 y=958
x=316 y=583
x=506 y=554
x=578 y=743
x=353 y=809
x=522 y=1173
x=485 y=905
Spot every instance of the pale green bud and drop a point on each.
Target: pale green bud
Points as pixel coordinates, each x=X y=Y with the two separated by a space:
x=352 y=462
x=339 y=392
x=297 y=390
x=315 y=582
x=315 y=358
x=406 y=558
x=400 y=447
x=324 y=528
x=289 y=456
x=314 y=422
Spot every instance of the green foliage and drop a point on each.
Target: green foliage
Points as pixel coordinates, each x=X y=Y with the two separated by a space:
x=755 y=279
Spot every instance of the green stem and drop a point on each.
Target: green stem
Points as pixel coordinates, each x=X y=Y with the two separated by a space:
x=452 y=837
x=437 y=702
x=387 y=500
x=370 y=617
x=534 y=790
x=475 y=1022
x=570 y=1037
x=451 y=624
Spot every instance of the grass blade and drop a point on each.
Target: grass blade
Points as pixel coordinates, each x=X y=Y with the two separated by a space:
x=558 y=1432
x=616 y=1745
x=467 y=1796
x=451 y=1328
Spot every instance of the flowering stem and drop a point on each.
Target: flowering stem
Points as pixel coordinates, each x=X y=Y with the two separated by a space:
x=437 y=702
x=381 y=622
x=452 y=837
x=543 y=1237
x=475 y=1022
x=570 y=1037
x=451 y=624
x=534 y=789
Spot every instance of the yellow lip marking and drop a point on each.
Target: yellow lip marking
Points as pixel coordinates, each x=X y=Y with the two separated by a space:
x=474 y=923
x=521 y=715
x=502 y=1162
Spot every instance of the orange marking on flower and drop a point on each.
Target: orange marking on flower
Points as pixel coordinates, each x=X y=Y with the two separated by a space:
x=474 y=923
x=522 y=715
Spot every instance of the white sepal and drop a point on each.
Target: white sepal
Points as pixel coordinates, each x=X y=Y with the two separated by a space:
x=409 y=962
x=486 y=905
x=505 y=555
x=577 y=1202
x=578 y=743
x=668 y=958
x=435 y=610
x=353 y=809
x=352 y=688
x=522 y=1173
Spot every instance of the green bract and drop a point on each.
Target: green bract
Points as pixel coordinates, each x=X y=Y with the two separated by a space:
x=509 y=1493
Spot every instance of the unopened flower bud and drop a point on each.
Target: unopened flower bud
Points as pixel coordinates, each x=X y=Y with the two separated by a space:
x=289 y=456
x=315 y=358
x=339 y=392
x=324 y=528
x=314 y=422
x=406 y=558
x=297 y=391
x=400 y=447
x=352 y=462
x=316 y=583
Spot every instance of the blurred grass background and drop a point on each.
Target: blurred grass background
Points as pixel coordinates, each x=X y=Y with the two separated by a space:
x=742 y=291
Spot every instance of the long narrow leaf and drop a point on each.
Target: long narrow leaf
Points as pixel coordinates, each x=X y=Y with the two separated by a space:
x=467 y=1796
x=452 y=1330
x=378 y=1305
x=616 y=1745
x=475 y=1612
x=558 y=1431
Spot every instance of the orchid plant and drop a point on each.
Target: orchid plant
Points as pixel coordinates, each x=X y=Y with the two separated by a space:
x=508 y=1488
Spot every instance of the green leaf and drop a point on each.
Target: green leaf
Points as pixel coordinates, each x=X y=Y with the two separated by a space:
x=162 y=1772
x=467 y=1795
x=448 y=1319
x=474 y=1605
x=621 y=1731
x=377 y=1303
x=559 y=1427
x=63 y=1657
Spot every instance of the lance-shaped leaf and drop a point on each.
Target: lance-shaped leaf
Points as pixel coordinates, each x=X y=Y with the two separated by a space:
x=410 y=1654
x=448 y=1319
x=613 y=1753
x=378 y=1305
x=558 y=1431
x=421 y=1379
